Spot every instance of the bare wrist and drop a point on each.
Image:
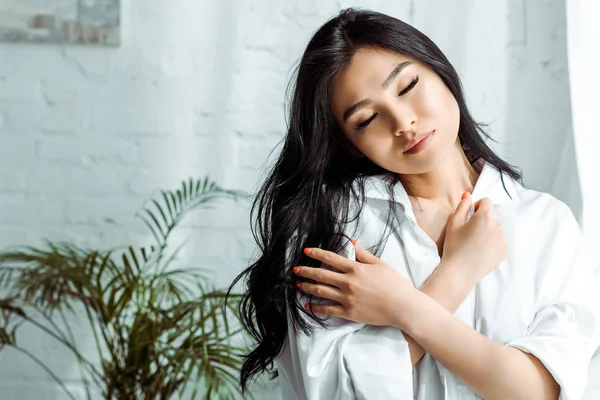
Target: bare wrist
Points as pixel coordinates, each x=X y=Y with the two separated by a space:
x=448 y=285
x=406 y=306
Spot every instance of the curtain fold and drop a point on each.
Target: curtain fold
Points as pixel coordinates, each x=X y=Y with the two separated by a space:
x=583 y=49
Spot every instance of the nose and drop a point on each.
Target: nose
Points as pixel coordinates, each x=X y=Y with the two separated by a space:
x=404 y=120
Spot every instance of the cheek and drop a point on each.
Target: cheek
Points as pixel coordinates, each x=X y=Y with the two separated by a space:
x=437 y=103
x=375 y=146
x=452 y=115
x=370 y=145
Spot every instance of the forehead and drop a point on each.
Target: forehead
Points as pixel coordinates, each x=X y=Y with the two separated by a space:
x=366 y=72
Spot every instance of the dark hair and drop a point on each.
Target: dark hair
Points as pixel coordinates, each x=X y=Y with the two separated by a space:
x=305 y=200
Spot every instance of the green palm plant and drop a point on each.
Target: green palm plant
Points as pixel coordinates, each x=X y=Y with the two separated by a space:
x=161 y=332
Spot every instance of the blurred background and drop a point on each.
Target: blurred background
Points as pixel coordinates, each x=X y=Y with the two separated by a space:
x=94 y=121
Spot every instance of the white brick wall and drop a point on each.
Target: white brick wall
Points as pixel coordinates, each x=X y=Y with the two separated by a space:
x=197 y=87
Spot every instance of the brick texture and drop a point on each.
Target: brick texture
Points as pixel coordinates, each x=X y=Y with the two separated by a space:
x=197 y=87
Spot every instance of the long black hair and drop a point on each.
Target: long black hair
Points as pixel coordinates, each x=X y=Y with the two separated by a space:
x=305 y=200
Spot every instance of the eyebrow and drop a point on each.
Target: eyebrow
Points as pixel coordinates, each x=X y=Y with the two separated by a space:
x=354 y=107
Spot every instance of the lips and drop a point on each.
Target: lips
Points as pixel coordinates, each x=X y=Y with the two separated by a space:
x=417 y=139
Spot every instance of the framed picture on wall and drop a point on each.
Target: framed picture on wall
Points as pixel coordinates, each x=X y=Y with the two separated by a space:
x=89 y=22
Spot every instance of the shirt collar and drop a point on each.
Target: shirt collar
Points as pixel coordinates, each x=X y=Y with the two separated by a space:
x=499 y=188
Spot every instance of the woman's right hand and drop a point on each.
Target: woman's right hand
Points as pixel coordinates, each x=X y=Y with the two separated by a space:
x=474 y=248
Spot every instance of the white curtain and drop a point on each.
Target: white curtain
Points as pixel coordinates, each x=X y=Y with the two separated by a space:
x=583 y=43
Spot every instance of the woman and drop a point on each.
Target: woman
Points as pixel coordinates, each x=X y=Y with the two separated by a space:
x=486 y=298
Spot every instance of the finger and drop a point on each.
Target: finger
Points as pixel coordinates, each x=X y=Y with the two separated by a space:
x=480 y=203
x=462 y=210
x=364 y=256
x=322 y=291
x=321 y=275
x=328 y=310
x=330 y=258
x=484 y=206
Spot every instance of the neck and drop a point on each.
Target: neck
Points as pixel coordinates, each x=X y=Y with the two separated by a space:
x=447 y=182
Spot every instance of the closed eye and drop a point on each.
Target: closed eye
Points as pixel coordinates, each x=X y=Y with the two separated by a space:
x=411 y=85
x=366 y=123
x=362 y=125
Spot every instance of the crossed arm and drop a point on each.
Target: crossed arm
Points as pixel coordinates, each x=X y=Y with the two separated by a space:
x=425 y=316
x=470 y=355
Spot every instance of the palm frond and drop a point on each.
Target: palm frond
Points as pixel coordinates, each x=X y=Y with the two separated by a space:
x=158 y=328
x=161 y=215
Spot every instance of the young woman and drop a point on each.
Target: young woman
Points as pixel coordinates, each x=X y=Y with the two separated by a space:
x=472 y=285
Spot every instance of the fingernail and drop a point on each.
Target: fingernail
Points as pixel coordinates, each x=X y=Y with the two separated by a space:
x=465 y=195
x=307 y=306
x=298 y=284
x=353 y=241
x=296 y=270
x=307 y=251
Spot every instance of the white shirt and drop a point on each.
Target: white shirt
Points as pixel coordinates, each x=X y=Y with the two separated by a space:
x=542 y=299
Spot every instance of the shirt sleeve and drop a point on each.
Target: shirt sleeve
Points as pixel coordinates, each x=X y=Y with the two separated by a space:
x=349 y=360
x=564 y=333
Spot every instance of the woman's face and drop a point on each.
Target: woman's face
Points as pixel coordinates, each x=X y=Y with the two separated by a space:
x=385 y=103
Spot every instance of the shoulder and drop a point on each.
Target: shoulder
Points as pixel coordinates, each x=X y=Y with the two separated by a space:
x=547 y=225
x=545 y=208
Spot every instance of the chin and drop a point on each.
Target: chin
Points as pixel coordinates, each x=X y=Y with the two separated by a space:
x=426 y=162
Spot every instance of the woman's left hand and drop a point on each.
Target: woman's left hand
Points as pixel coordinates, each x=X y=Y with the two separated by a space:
x=367 y=290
